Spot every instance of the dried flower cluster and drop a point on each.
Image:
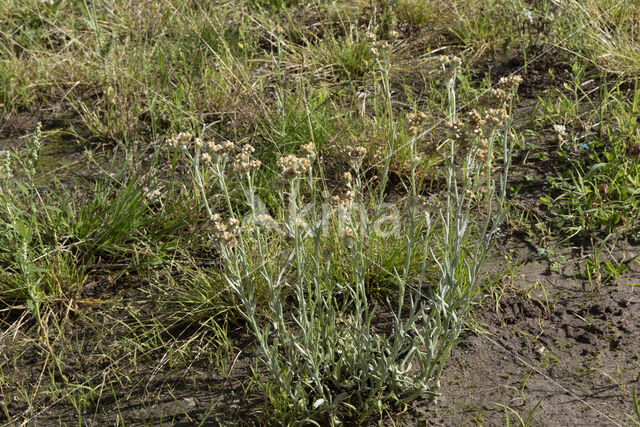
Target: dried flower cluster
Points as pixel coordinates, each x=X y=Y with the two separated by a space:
x=243 y=162
x=379 y=45
x=499 y=96
x=264 y=221
x=308 y=151
x=354 y=154
x=293 y=166
x=341 y=203
x=219 y=149
x=347 y=178
x=450 y=64
x=506 y=87
x=356 y=151
x=457 y=129
x=214 y=152
x=183 y=139
x=224 y=230
x=415 y=120
x=474 y=131
x=511 y=82
x=496 y=115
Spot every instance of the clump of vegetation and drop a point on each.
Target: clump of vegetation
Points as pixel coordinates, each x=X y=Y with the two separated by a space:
x=301 y=271
x=598 y=190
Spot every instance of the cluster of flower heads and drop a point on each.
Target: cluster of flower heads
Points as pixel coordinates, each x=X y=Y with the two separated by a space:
x=561 y=132
x=293 y=166
x=356 y=151
x=355 y=154
x=347 y=178
x=381 y=45
x=341 y=202
x=506 y=86
x=212 y=151
x=472 y=131
x=224 y=231
x=415 y=120
x=449 y=64
x=183 y=139
x=510 y=82
x=308 y=150
x=264 y=221
x=243 y=162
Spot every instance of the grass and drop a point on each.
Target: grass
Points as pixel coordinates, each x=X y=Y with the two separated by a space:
x=305 y=191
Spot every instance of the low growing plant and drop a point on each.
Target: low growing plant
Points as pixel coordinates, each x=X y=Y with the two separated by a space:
x=301 y=272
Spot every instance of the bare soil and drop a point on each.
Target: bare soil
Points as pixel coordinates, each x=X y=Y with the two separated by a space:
x=573 y=350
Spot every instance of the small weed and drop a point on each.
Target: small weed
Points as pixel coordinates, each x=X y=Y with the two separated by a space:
x=523 y=420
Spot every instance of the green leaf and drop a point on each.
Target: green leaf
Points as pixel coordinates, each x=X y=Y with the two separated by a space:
x=52 y=209
x=21 y=187
x=594 y=169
